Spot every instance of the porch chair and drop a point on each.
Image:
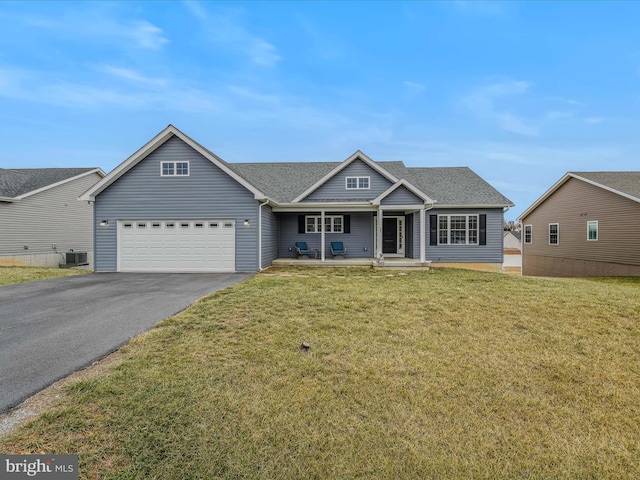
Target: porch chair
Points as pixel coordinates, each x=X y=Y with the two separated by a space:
x=338 y=249
x=303 y=249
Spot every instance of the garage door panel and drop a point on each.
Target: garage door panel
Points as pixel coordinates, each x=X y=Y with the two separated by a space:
x=176 y=245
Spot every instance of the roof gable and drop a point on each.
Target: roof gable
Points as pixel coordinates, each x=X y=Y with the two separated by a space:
x=402 y=193
x=358 y=155
x=625 y=184
x=154 y=144
x=16 y=184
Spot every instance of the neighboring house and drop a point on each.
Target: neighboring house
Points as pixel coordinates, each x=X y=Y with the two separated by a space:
x=512 y=252
x=41 y=217
x=175 y=206
x=587 y=224
x=512 y=242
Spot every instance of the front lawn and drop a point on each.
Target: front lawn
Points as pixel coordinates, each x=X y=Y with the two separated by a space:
x=437 y=374
x=11 y=275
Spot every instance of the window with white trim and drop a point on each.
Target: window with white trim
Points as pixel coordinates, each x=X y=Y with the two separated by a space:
x=554 y=234
x=592 y=231
x=357 y=183
x=174 y=169
x=528 y=234
x=457 y=229
x=332 y=223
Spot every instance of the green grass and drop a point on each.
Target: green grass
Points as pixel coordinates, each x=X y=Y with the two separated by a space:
x=438 y=374
x=11 y=275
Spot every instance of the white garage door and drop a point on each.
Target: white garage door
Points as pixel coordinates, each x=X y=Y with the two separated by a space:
x=176 y=245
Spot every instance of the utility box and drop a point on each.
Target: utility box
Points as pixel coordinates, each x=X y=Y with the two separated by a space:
x=74 y=259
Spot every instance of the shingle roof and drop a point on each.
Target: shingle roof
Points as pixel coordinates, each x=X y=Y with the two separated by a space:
x=283 y=181
x=17 y=182
x=625 y=182
x=447 y=185
x=451 y=185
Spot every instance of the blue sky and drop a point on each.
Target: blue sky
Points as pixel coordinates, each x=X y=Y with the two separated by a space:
x=521 y=92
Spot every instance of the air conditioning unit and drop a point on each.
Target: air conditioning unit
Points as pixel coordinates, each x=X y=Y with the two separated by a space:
x=75 y=259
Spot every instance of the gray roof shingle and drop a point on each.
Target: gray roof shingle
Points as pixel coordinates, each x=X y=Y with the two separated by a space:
x=447 y=185
x=19 y=181
x=625 y=182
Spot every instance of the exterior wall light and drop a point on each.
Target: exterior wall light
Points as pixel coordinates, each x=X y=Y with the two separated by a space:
x=246 y=222
x=104 y=223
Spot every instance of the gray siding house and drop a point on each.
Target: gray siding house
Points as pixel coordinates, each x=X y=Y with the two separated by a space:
x=586 y=224
x=175 y=206
x=41 y=217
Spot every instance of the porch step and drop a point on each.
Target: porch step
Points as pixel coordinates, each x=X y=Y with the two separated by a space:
x=389 y=263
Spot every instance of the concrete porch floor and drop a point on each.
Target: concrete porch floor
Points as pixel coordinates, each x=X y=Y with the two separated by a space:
x=389 y=263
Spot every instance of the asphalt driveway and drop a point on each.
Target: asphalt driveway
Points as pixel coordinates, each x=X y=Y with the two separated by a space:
x=51 y=328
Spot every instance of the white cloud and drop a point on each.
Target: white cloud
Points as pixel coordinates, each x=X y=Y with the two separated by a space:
x=484 y=101
x=594 y=120
x=223 y=31
x=100 y=23
x=147 y=35
x=413 y=89
x=132 y=76
x=558 y=115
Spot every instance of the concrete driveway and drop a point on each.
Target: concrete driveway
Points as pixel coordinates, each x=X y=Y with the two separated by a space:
x=51 y=328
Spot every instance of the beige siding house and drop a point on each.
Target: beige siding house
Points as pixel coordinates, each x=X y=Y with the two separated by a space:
x=41 y=217
x=587 y=224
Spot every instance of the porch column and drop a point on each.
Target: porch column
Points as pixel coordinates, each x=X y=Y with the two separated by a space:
x=379 y=233
x=422 y=235
x=322 y=236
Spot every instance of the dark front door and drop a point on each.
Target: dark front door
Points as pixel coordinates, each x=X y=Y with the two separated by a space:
x=390 y=235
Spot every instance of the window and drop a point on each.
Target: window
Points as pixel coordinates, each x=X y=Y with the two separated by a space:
x=554 y=234
x=592 y=230
x=332 y=223
x=174 y=169
x=357 y=183
x=155 y=224
x=169 y=224
x=142 y=225
x=457 y=229
x=527 y=234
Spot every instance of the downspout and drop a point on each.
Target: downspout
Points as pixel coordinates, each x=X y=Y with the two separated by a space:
x=423 y=234
x=260 y=234
x=322 y=235
x=379 y=255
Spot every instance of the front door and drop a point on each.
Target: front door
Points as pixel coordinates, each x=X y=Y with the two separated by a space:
x=390 y=235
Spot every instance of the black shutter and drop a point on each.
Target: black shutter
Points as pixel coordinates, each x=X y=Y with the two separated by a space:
x=301 y=224
x=483 y=229
x=347 y=223
x=433 y=229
